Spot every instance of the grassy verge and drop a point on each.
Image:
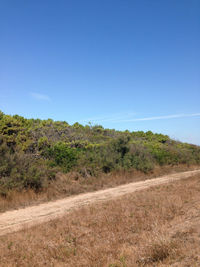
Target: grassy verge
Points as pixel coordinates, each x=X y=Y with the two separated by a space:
x=70 y=184
x=155 y=227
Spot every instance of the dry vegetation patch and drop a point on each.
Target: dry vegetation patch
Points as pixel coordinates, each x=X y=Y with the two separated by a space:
x=71 y=184
x=155 y=227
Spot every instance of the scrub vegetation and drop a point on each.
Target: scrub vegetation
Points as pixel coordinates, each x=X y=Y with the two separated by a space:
x=34 y=152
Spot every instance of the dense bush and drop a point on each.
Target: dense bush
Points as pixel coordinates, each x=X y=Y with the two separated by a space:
x=63 y=156
x=20 y=170
x=32 y=150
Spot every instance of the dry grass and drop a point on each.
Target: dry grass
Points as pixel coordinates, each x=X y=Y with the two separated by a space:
x=72 y=183
x=156 y=227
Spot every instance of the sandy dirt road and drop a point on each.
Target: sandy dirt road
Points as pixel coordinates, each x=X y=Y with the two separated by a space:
x=15 y=220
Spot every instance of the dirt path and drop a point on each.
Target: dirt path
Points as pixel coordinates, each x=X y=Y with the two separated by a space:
x=12 y=221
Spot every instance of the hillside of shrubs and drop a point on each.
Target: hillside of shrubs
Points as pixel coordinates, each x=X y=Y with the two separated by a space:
x=32 y=151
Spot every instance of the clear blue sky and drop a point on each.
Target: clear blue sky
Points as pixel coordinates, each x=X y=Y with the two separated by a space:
x=125 y=64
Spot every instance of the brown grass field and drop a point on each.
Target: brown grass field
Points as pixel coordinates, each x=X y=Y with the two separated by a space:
x=155 y=227
x=72 y=184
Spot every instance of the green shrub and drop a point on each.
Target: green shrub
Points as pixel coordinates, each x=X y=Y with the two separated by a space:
x=34 y=179
x=63 y=155
x=43 y=143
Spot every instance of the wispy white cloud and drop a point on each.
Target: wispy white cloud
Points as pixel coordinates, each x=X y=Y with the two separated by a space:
x=39 y=96
x=173 y=116
x=109 y=118
x=120 y=118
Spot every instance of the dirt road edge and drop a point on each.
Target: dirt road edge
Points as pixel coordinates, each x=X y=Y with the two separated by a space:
x=12 y=221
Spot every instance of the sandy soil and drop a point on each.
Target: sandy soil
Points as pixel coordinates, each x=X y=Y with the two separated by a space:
x=15 y=220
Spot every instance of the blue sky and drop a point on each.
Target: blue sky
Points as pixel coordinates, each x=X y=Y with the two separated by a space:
x=124 y=64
